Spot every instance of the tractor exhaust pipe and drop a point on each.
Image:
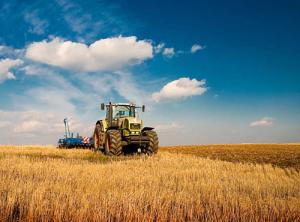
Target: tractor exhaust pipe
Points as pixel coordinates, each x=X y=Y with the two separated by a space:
x=110 y=111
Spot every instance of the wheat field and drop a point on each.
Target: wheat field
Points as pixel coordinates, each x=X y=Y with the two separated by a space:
x=280 y=155
x=47 y=184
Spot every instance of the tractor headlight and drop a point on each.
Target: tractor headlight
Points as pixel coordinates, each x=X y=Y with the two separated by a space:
x=135 y=132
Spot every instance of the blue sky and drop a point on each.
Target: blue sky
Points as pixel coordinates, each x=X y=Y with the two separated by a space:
x=208 y=72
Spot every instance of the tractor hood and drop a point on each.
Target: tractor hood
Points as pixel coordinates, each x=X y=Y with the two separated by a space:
x=133 y=120
x=131 y=123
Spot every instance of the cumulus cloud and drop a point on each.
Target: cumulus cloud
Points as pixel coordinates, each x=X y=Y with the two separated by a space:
x=5 y=66
x=180 y=89
x=103 y=55
x=266 y=121
x=169 y=52
x=196 y=48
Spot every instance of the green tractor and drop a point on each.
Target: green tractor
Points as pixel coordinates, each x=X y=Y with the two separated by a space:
x=123 y=132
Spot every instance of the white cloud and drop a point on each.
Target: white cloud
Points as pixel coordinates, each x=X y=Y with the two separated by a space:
x=169 y=52
x=128 y=88
x=196 y=48
x=37 y=25
x=43 y=107
x=168 y=127
x=159 y=47
x=34 y=70
x=180 y=89
x=266 y=121
x=102 y=55
x=35 y=127
x=74 y=16
x=4 y=123
x=5 y=66
x=58 y=98
x=88 y=23
x=29 y=126
x=41 y=97
x=6 y=51
x=41 y=111
x=123 y=83
x=34 y=122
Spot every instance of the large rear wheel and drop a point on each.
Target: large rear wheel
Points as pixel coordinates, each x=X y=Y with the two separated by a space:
x=152 y=147
x=113 y=143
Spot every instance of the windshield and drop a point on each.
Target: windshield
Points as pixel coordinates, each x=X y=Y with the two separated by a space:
x=123 y=111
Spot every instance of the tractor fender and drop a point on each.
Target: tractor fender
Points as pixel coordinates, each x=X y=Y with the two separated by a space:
x=112 y=127
x=147 y=128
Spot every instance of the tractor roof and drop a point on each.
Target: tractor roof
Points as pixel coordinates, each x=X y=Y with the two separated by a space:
x=122 y=104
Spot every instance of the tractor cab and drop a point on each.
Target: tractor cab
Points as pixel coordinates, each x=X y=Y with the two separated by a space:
x=121 y=115
x=119 y=111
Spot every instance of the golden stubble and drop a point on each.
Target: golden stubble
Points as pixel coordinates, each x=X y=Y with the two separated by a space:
x=47 y=184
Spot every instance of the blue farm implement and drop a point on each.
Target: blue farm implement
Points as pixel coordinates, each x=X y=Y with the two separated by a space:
x=69 y=141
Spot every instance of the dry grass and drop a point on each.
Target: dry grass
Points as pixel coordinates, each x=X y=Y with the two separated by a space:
x=281 y=155
x=46 y=184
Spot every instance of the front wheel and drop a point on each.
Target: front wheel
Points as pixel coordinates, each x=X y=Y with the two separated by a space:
x=113 y=143
x=152 y=147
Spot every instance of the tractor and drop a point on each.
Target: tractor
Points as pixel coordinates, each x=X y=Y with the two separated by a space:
x=122 y=131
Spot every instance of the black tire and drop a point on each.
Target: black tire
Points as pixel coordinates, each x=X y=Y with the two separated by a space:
x=98 y=137
x=152 y=147
x=113 y=143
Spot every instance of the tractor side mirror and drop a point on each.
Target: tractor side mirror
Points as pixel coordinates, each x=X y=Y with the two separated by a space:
x=102 y=106
x=143 y=108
